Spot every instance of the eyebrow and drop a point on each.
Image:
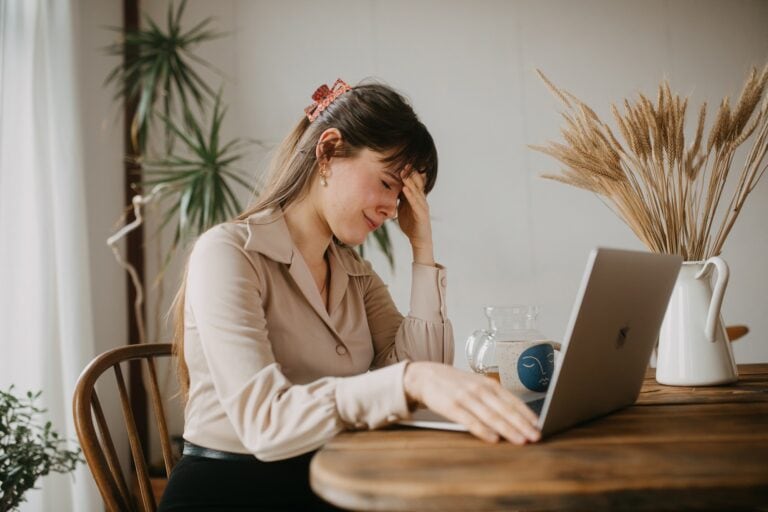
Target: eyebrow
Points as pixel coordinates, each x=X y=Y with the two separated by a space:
x=394 y=175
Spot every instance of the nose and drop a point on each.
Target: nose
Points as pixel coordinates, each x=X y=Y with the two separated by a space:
x=388 y=208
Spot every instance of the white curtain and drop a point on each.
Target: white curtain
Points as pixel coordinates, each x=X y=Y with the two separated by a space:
x=45 y=307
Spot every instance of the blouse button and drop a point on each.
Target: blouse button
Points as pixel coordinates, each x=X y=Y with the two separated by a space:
x=341 y=350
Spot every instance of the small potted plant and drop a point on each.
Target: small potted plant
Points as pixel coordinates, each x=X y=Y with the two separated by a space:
x=29 y=448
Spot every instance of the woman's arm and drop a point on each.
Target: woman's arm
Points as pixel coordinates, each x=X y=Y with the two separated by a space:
x=479 y=403
x=413 y=218
x=426 y=333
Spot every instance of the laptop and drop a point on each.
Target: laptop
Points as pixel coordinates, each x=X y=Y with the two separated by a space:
x=613 y=328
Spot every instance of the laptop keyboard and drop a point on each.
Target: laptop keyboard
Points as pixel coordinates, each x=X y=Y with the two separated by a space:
x=536 y=405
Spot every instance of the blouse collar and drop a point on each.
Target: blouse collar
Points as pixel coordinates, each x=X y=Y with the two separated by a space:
x=268 y=235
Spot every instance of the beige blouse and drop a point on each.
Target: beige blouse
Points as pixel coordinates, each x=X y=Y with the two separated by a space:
x=274 y=374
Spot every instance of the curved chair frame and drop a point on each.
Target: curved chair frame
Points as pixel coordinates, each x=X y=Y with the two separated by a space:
x=93 y=432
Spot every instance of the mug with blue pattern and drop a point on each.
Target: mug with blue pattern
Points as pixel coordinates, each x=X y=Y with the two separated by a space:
x=525 y=365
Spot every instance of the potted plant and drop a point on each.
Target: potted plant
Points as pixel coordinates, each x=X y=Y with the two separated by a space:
x=29 y=449
x=195 y=180
x=674 y=197
x=159 y=76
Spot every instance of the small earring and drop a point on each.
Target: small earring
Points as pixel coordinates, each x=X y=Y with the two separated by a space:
x=323 y=180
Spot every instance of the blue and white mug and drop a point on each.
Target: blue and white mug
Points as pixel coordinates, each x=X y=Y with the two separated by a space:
x=525 y=366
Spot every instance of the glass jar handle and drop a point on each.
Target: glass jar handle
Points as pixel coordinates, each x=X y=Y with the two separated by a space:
x=475 y=343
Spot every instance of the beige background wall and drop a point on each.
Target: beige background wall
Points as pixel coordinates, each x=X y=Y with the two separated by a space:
x=102 y=137
x=505 y=235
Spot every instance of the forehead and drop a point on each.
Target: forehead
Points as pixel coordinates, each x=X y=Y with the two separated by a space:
x=377 y=161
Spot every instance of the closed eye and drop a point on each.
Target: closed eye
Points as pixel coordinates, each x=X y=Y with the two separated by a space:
x=386 y=185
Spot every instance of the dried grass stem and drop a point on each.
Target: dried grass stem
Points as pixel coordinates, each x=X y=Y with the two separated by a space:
x=669 y=194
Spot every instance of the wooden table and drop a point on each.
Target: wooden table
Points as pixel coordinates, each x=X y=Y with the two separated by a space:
x=675 y=448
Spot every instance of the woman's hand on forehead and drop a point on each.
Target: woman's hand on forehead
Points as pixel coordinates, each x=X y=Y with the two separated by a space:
x=408 y=172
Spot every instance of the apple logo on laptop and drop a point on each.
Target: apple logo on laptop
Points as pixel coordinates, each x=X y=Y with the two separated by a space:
x=621 y=339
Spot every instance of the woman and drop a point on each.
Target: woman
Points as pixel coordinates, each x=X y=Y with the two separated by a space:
x=279 y=320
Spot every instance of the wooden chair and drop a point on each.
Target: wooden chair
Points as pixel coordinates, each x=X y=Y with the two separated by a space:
x=98 y=448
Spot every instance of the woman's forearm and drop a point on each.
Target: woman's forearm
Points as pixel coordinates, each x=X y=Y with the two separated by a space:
x=424 y=255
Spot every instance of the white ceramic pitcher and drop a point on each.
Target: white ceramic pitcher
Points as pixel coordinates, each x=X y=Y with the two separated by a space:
x=693 y=346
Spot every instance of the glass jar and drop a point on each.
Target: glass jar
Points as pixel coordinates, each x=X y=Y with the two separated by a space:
x=505 y=324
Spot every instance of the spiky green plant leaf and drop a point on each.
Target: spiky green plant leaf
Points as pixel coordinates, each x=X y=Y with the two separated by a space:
x=200 y=179
x=381 y=239
x=157 y=65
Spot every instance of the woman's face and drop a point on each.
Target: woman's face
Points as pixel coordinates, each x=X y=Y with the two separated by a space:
x=361 y=194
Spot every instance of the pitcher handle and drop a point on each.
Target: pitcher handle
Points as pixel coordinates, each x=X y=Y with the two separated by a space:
x=473 y=344
x=717 y=295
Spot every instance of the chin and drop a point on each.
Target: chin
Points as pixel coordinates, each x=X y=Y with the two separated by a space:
x=351 y=240
x=351 y=237
x=350 y=233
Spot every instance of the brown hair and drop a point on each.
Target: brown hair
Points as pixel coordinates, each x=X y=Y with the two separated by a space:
x=370 y=115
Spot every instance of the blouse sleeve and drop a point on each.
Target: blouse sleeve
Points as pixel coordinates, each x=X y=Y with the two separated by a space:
x=425 y=334
x=273 y=418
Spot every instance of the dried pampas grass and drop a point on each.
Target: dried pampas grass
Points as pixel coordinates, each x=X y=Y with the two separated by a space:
x=669 y=193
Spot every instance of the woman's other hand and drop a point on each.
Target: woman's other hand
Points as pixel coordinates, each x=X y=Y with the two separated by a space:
x=413 y=217
x=488 y=410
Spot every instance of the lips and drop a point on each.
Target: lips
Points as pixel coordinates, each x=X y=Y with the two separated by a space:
x=370 y=223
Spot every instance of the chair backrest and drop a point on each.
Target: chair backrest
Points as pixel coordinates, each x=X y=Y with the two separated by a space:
x=94 y=435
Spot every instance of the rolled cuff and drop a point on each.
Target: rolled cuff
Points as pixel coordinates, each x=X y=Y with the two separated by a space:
x=373 y=399
x=428 y=287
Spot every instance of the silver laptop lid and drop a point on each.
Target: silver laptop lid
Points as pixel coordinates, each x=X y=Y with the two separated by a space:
x=613 y=328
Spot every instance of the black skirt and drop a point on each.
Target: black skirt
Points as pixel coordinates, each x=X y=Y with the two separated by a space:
x=205 y=484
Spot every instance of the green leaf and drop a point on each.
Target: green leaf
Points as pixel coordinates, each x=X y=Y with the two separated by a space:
x=177 y=20
x=151 y=62
x=29 y=448
x=381 y=238
x=200 y=175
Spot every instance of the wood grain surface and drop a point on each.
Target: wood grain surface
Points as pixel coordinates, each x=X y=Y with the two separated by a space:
x=677 y=448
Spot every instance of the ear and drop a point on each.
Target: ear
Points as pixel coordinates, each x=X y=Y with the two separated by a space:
x=326 y=145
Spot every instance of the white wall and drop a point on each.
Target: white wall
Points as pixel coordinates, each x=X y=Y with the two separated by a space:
x=506 y=235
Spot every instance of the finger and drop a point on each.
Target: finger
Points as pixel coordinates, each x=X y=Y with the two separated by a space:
x=420 y=205
x=407 y=173
x=420 y=178
x=419 y=189
x=405 y=199
x=415 y=188
x=491 y=418
x=417 y=179
x=411 y=193
x=518 y=404
x=460 y=414
x=405 y=212
x=417 y=202
x=513 y=417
